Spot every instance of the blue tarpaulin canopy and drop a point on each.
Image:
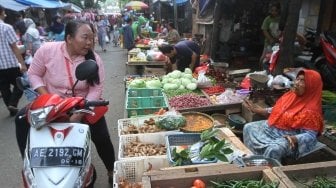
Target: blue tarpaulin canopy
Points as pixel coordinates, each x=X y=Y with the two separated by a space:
x=180 y=2
x=43 y=3
x=170 y=2
x=13 y=5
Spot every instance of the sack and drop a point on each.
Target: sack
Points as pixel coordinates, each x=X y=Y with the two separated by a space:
x=99 y=113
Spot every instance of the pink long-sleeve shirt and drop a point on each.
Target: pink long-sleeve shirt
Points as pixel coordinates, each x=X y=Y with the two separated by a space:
x=49 y=69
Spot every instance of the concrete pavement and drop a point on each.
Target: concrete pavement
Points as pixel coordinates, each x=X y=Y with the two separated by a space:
x=10 y=160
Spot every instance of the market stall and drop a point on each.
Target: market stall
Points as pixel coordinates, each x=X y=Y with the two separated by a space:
x=184 y=128
x=130 y=170
x=145 y=61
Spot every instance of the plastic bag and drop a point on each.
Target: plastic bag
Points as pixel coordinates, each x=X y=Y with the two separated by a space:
x=155 y=56
x=230 y=97
x=29 y=92
x=107 y=39
x=141 y=55
x=28 y=59
x=281 y=82
x=203 y=81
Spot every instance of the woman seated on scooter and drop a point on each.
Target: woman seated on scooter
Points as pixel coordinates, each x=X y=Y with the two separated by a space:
x=53 y=71
x=293 y=123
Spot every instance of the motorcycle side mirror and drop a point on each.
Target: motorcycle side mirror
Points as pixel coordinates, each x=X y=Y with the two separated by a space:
x=85 y=71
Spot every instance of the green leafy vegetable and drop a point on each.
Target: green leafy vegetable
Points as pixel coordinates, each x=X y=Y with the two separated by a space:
x=181 y=158
x=171 y=122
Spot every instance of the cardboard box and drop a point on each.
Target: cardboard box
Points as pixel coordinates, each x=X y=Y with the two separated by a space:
x=292 y=175
x=181 y=178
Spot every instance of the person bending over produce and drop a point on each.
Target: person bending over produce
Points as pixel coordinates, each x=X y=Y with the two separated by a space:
x=184 y=54
x=293 y=123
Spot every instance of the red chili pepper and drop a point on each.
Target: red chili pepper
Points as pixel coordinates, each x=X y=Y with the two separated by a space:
x=214 y=89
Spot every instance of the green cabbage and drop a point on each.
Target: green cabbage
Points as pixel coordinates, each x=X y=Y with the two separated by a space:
x=185 y=81
x=153 y=84
x=191 y=86
x=181 y=87
x=170 y=86
x=189 y=76
x=137 y=83
x=176 y=74
x=188 y=71
x=177 y=82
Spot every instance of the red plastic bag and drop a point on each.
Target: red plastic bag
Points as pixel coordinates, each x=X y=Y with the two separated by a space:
x=99 y=113
x=246 y=83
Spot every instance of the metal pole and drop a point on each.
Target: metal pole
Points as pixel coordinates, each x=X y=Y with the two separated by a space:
x=175 y=15
x=159 y=16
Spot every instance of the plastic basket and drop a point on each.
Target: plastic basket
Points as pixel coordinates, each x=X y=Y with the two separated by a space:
x=182 y=140
x=153 y=138
x=136 y=121
x=136 y=106
x=132 y=170
x=144 y=92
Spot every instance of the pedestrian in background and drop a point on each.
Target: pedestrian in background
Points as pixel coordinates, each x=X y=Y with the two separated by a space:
x=31 y=39
x=102 y=34
x=270 y=29
x=56 y=30
x=11 y=65
x=172 y=36
x=128 y=35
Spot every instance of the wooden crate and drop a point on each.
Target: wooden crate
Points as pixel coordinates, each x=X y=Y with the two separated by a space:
x=292 y=174
x=227 y=134
x=156 y=71
x=184 y=177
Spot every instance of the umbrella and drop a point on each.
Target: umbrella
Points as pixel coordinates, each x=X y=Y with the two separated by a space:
x=136 y=5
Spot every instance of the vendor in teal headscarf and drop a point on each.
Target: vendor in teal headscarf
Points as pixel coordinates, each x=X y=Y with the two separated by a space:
x=136 y=27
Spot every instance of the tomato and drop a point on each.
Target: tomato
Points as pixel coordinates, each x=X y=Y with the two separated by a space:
x=198 y=183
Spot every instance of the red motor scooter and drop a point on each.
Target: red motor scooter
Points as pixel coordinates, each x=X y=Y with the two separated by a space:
x=58 y=153
x=325 y=61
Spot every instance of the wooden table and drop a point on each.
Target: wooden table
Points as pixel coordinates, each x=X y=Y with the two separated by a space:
x=138 y=67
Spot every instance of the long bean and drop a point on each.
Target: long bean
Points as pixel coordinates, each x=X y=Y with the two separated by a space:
x=323 y=182
x=244 y=184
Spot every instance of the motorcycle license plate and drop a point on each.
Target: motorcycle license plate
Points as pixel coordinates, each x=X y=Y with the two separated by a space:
x=56 y=156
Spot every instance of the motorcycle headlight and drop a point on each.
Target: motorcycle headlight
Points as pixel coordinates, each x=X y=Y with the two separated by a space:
x=37 y=118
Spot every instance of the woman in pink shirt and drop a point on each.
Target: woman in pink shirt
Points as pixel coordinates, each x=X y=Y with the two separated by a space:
x=53 y=71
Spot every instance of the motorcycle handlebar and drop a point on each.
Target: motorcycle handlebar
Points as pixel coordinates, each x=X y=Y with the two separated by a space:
x=97 y=103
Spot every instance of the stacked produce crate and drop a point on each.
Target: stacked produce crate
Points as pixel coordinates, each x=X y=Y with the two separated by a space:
x=131 y=167
x=320 y=174
x=141 y=148
x=211 y=174
x=144 y=101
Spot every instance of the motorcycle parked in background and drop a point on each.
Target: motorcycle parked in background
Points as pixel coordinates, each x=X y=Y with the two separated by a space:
x=325 y=61
x=58 y=153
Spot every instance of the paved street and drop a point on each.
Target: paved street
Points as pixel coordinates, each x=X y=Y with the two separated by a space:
x=10 y=162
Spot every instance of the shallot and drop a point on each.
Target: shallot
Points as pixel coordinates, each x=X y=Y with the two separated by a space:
x=188 y=101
